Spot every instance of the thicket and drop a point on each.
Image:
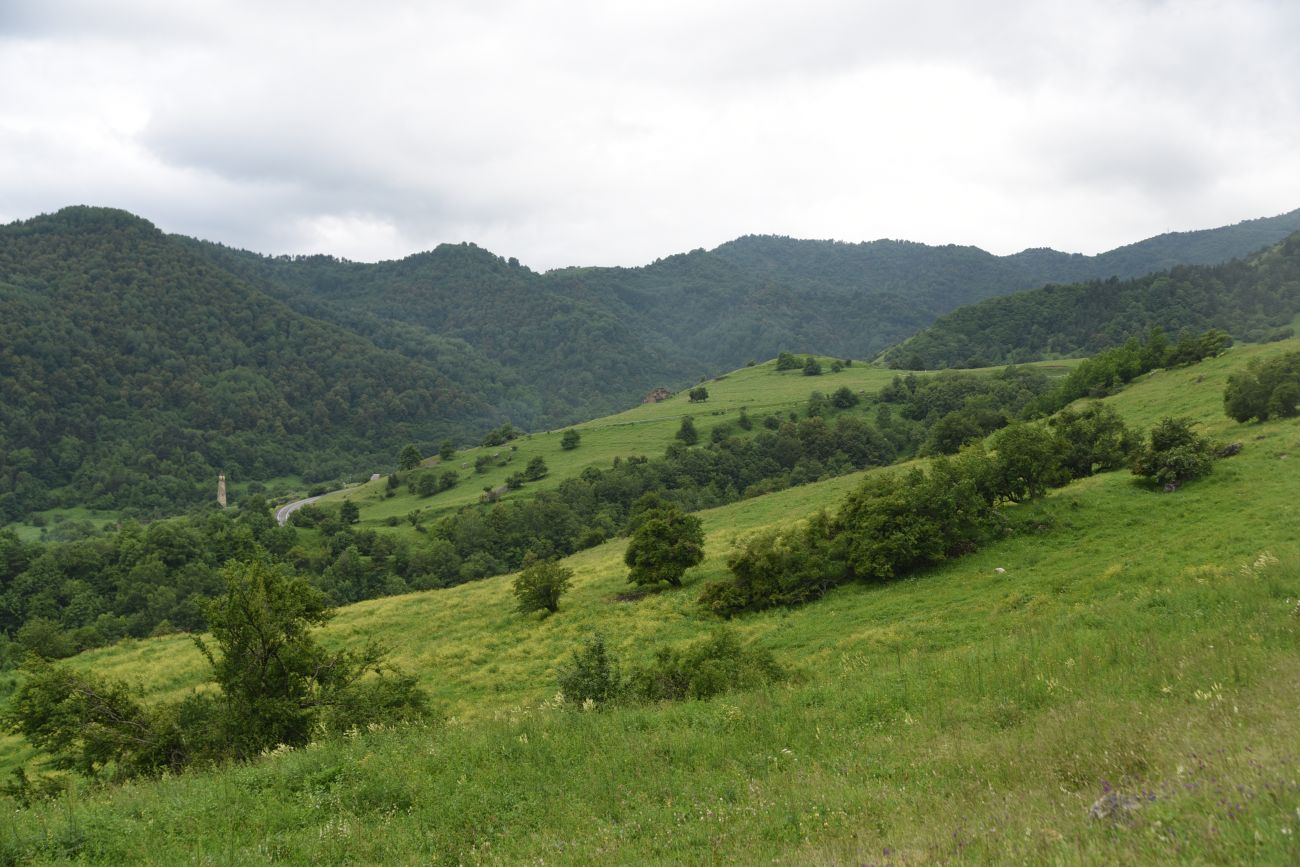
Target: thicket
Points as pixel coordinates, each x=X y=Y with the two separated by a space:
x=1265 y=389
x=274 y=685
x=1109 y=370
x=898 y=522
x=713 y=665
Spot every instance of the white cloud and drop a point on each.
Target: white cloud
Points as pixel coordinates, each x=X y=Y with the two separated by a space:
x=616 y=132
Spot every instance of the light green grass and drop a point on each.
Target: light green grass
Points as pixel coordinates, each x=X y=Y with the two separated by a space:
x=643 y=430
x=962 y=715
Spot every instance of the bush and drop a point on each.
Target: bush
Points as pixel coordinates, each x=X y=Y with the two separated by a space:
x=706 y=668
x=1175 y=454
x=539 y=586
x=569 y=441
x=592 y=675
x=1264 y=390
x=699 y=394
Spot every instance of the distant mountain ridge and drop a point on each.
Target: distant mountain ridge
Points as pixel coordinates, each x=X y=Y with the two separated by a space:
x=134 y=365
x=1253 y=298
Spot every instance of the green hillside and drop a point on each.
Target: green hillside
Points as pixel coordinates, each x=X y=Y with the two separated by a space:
x=1121 y=647
x=1253 y=298
x=132 y=372
x=135 y=366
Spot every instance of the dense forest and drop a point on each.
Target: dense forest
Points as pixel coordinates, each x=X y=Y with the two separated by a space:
x=133 y=371
x=1254 y=299
x=135 y=366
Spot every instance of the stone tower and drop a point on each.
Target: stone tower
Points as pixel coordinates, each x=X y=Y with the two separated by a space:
x=221 y=490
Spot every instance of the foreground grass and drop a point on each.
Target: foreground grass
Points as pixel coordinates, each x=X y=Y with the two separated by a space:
x=1136 y=640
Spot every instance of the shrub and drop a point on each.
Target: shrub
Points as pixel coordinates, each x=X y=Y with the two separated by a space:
x=1175 y=454
x=703 y=669
x=699 y=394
x=569 y=441
x=1264 y=390
x=592 y=674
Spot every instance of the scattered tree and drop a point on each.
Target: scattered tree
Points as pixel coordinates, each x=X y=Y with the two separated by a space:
x=666 y=544
x=569 y=441
x=812 y=367
x=447 y=450
x=540 y=584
x=410 y=457
x=687 y=432
x=349 y=512
x=699 y=394
x=536 y=469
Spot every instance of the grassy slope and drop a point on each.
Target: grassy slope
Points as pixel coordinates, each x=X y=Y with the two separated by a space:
x=643 y=430
x=961 y=714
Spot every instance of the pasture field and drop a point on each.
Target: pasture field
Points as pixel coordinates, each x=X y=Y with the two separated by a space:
x=1121 y=648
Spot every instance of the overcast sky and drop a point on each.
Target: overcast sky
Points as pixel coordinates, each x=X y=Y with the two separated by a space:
x=611 y=132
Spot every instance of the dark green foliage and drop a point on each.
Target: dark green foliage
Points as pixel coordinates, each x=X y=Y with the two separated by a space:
x=500 y=436
x=276 y=685
x=482 y=463
x=1174 y=454
x=1030 y=459
x=536 y=469
x=446 y=451
x=1251 y=298
x=540 y=584
x=744 y=421
x=426 y=484
x=1265 y=389
x=592 y=675
x=663 y=547
x=786 y=361
x=136 y=366
x=687 y=433
x=781 y=567
x=349 y=512
x=410 y=457
x=703 y=669
x=447 y=480
x=569 y=441
x=134 y=370
x=699 y=394
x=1092 y=439
x=1106 y=371
x=812 y=367
x=895 y=523
x=844 y=398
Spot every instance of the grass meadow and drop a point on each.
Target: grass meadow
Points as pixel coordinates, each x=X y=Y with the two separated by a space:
x=1121 y=643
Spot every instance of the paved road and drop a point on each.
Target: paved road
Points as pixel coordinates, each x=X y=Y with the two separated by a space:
x=282 y=514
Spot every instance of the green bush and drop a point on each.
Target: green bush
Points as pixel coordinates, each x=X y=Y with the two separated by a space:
x=703 y=669
x=592 y=675
x=1175 y=454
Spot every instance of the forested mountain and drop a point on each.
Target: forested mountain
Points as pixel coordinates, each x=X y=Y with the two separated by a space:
x=583 y=341
x=1254 y=298
x=135 y=365
x=132 y=371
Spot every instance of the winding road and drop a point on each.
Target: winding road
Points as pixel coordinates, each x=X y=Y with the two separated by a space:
x=282 y=514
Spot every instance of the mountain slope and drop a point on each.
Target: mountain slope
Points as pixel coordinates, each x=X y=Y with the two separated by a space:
x=1253 y=298
x=133 y=371
x=1121 y=647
